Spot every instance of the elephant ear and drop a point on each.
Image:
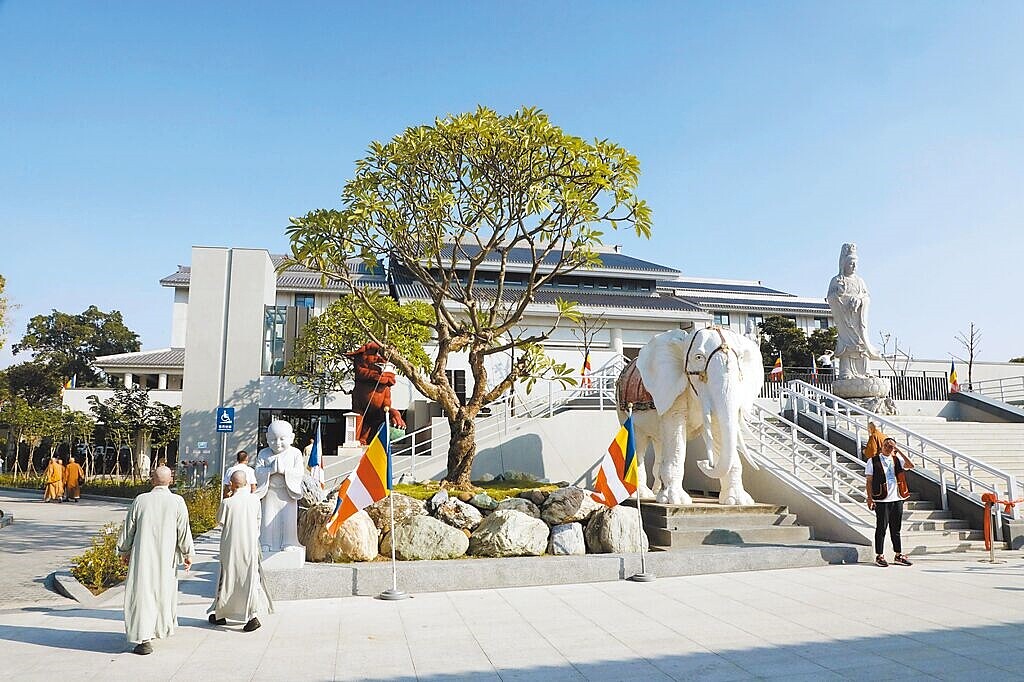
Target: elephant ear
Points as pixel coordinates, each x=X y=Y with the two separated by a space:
x=662 y=366
x=750 y=365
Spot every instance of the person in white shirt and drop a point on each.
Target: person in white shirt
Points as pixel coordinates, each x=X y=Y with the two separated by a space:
x=886 y=492
x=242 y=464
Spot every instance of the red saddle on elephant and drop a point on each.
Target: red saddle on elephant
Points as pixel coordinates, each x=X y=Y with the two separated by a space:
x=630 y=389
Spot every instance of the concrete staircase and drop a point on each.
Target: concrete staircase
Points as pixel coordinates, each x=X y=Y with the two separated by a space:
x=998 y=445
x=925 y=529
x=705 y=522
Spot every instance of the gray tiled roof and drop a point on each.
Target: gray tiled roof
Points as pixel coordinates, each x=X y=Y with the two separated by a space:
x=610 y=261
x=163 y=358
x=408 y=289
x=686 y=285
x=760 y=304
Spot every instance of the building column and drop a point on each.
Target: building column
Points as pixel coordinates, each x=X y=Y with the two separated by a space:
x=128 y=379
x=161 y=381
x=616 y=339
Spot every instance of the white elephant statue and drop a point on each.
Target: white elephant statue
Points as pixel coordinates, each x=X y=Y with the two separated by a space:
x=686 y=384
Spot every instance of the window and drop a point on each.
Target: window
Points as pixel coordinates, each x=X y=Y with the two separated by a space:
x=721 y=319
x=457 y=380
x=274 y=318
x=758 y=320
x=821 y=323
x=304 y=301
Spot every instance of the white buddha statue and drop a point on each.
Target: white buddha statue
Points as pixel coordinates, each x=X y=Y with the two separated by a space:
x=279 y=471
x=849 y=300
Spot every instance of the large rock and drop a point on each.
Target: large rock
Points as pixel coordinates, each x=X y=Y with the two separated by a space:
x=520 y=504
x=405 y=508
x=424 y=538
x=567 y=538
x=458 y=514
x=535 y=496
x=614 y=530
x=436 y=500
x=507 y=532
x=312 y=493
x=356 y=540
x=567 y=505
x=483 y=502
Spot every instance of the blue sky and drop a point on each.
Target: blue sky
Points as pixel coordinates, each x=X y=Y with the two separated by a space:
x=768 y=133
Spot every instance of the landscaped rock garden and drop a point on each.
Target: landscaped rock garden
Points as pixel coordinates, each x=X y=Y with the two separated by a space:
x=448 y=526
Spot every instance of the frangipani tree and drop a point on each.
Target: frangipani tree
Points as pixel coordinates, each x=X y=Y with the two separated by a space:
x=447 y=201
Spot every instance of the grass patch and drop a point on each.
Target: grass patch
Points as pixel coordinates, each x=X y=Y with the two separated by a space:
x=498 y=490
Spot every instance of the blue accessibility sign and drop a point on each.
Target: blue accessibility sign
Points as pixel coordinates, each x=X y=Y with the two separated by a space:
x=225 y=419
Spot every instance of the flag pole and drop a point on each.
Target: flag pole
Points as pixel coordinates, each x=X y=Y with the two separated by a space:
x=394 y=594
x=643 y=576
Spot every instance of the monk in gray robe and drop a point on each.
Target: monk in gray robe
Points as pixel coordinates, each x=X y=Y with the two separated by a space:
x=156 y=538
x=241 y=593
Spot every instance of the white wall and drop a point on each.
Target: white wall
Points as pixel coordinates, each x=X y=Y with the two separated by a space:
x=179 y=318
x=78 y=398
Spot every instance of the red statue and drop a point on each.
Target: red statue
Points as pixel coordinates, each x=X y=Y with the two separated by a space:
x=372 y=391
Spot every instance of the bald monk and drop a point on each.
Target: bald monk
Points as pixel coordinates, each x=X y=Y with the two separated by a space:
x=53 y=481
x=73 y=479
x=241 y=593
x=156 y=538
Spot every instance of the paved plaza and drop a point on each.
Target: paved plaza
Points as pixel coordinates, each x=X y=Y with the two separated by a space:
x=948 y=617
x=43 y=538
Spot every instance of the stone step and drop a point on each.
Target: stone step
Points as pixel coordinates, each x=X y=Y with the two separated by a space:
x=718 y=521
x=704 y=506
x=728 y=536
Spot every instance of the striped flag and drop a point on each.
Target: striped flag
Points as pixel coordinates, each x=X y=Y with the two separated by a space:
x=316 y=468
x=776 y=373
x=617 y=477
x=369 y=482
x=814 y=366
x=954 y=385
x=585 y=371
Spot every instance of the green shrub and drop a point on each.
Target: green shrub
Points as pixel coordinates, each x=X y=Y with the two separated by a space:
x=202 y=506
x=100 y=566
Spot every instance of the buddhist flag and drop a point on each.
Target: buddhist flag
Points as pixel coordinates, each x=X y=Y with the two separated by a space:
x=776 y=373
x=617 y=477
x=585 y=371
x=316 y=468
x=954 y=385
x=370 y=481
x=814 y=366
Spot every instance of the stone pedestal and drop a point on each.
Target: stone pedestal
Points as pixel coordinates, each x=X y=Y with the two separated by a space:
x=288 y=558
x=870 y=393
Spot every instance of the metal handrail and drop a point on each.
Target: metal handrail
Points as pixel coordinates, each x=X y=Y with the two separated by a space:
x=800 y=395
x=813 y=464
x=1004 y=389
x=508 y=411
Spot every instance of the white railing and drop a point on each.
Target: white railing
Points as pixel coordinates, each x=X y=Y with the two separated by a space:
x=821 y=471
x=946 y=466
x=1007 y=390
x=419 y=448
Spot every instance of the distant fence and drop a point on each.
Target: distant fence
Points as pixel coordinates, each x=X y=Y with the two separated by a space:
x=905 y=386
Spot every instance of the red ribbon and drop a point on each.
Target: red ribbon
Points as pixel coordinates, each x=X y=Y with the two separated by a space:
x=991 y=499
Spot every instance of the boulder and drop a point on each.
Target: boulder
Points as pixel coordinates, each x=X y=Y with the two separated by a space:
x=405 y=508
x=567 y=538
x=423 y=538
x=567 y=505
x=483 y=501
x=535 y=496
x=508 y=532
x=356 y=539
x=312 y=493
x=520 y=504
x=464 y=496
x=458 y=514
x=614 y=530
x=438 y=498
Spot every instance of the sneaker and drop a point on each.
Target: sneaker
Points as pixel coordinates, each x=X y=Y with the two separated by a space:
x=143 y=649
x=253 y=624
x=902 y=560
x=880 y=561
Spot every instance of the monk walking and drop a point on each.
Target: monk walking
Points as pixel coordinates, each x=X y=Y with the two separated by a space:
x=155 y=537
x=241 y=592
x=53 y=481
x=74 y=477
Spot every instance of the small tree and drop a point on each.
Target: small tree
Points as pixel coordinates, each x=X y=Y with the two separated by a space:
x=892 y=359
x=125 y=415
x=165 y=424
x=969 y=342
x=77 y=427
x=472 y=193
x=319 y=364
x=585 y=331
x=822 y=342
x=781 y=336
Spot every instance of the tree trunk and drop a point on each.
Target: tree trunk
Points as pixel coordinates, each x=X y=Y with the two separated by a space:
x=461 y=450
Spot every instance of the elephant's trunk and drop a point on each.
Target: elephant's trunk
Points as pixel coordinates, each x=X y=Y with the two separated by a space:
x=725 y=426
